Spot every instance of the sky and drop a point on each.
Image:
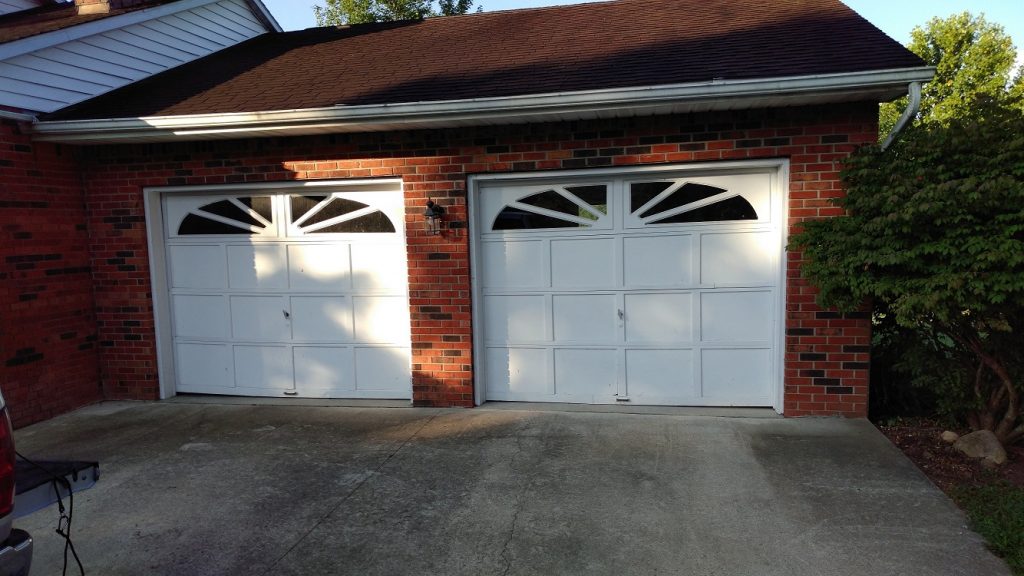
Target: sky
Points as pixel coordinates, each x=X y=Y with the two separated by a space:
x=894 y=17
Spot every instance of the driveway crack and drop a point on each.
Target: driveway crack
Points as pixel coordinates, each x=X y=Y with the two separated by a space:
x=351 y=493
x=520 y=499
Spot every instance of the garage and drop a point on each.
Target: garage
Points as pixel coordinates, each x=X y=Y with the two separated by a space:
x=648 y=287
x=296 y=292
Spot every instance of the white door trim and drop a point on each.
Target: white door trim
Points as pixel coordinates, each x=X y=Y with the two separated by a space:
x=777 y=168
x=155 y=232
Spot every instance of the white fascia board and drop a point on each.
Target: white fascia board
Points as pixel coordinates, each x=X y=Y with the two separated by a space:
x=721 y=93
x=57 y=37
x=264 y=14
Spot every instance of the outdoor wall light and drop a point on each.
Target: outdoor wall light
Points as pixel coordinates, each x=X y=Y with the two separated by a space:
x=433 y=214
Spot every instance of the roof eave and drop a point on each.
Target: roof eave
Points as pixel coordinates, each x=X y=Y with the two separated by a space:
x=52 y=38
x=877 y=85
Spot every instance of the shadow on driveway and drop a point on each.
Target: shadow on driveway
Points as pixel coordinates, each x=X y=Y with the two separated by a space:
x=207 y=489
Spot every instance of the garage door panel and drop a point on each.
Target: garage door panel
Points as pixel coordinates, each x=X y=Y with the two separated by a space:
x=259 y=318
x=585 y=374
x=516 y=373
x=200 y=316
x=319 y=267
x=736 y=316
x=270 y=305
x=515 y=319
x=583 y=263
x=197 y=267
x=203 y=365
x=321 y=319
x=381 y=319
x=265 y=367
x=659 y=318
x=741 y=374
x=661 y=374
x=746 y=258
x=514 y=264
x=257 y=267
x=657 y=262
x=319 y=369
x=584 y=317
x=368 y=274
x=383 y=369
x=670 y=296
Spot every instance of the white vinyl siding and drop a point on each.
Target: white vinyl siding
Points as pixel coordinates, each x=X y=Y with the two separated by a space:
x=10 y=6
x=54 y=77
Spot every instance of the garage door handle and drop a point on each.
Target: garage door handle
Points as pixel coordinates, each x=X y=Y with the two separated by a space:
x=286 y=314
x=621 y=315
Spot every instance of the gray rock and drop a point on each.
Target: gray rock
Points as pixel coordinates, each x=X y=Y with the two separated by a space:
x=982 y=444
x=949 y=436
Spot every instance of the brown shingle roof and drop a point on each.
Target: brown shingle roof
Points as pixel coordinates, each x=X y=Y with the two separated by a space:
x=557 y=49
x=53 y=17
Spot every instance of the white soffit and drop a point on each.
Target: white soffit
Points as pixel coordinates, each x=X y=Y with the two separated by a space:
x=50 y=71
x=619 y=102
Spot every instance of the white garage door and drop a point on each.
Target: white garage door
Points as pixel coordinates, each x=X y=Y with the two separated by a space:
x=651 y=289
x=299 y=294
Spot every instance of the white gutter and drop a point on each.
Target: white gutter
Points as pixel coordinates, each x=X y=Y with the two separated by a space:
x=718 y=94
x=913 y=105
x=17 y=116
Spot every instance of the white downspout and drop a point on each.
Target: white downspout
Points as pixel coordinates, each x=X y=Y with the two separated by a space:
x=913 y=105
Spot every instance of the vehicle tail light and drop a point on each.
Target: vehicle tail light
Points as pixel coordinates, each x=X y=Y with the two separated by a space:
x=6 y=464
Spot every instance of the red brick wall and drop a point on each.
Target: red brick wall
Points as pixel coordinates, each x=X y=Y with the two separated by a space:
x=48 y=359
x=826 y=371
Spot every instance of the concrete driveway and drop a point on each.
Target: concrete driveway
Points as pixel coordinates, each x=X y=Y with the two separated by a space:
x=194 y=489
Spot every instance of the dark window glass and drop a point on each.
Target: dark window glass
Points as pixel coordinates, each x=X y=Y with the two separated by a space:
x=335 y=207
x=735 y=208
x=596 y=196
x=552 y=201
x=259 y=204
x=687 y=194
x=227 y=209
x=372 y=222
x=193 y=224
x=515 y=219
x=641 y=193
x=303 y=204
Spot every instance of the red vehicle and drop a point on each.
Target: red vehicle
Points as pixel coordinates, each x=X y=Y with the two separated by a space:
x=16 y=547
